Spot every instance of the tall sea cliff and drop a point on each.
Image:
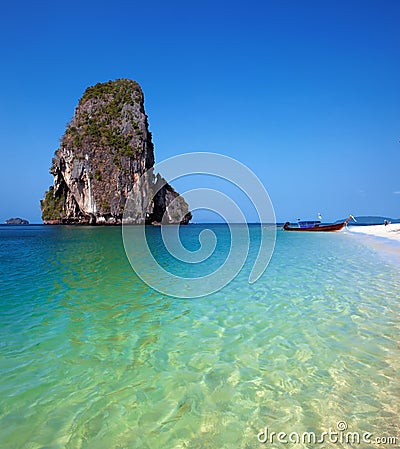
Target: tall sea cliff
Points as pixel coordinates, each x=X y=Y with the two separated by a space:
x=106 y=156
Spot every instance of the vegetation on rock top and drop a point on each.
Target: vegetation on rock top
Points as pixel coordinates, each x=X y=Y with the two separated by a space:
x=121 y=90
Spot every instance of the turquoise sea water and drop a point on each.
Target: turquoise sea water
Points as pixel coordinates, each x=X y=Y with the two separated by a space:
x=93 y=358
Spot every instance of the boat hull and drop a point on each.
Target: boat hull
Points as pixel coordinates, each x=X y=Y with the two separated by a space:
x=320 y=228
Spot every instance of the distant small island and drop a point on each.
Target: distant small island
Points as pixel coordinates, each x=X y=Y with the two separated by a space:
x=371 y=220
x=16 y=221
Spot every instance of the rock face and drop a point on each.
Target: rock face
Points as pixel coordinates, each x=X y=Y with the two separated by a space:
x=105 y=158
x=17 y=221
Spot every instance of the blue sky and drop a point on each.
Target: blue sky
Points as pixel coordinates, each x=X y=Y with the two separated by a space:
x=304 y=92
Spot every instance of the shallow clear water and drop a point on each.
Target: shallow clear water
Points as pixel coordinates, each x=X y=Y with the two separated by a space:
x=93 y=358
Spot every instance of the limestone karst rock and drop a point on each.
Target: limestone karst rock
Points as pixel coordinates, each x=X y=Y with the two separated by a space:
x=105 y=156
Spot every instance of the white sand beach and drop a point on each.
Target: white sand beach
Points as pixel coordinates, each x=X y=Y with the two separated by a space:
x=391 y=231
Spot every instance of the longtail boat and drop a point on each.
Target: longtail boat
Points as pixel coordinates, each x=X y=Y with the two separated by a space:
x=316 y=226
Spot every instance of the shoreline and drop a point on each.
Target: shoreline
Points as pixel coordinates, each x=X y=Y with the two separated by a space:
x=390 y=232
x=383 y=239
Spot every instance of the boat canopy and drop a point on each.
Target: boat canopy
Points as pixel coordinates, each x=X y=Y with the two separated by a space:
x=309 y=224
